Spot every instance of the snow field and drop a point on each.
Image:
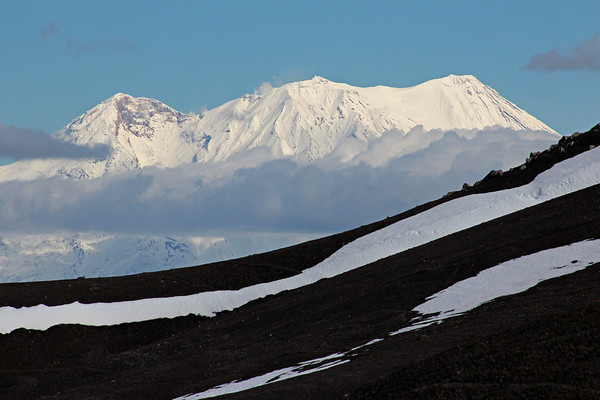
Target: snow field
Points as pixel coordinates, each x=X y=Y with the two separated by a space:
x=510 y=277
x=304 y=368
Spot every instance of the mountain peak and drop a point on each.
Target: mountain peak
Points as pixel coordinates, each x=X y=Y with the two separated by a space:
x=119 y=95
x=305 y=120
x=124 y=102
x=139 y=131
x=451 y=79
x=462 y=78
x=319 y=79
x=457 y=80
x=117 y=98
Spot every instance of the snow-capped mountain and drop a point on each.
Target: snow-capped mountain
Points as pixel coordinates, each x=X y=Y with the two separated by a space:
x=306 y=120
x=303 y=120
x=40 y=257
x=139 y=132
x=316 y=122
x=67 y=256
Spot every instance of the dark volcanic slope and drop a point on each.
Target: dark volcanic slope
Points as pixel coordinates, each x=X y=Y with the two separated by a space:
x=541 y=343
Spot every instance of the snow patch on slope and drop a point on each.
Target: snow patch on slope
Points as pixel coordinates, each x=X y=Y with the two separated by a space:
x=303 y=368
x=508 y=278
x=505 y=279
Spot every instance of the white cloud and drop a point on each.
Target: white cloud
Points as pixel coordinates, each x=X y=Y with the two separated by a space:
x=277 y=196
x=584 y=55
x=22 y=143
x=50 y=30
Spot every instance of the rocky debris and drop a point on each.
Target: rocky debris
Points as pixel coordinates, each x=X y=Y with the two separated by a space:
x=537 y=162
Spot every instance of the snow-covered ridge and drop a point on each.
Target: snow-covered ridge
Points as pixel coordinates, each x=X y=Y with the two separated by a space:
x=510 y=277
x=303 y=120
x=41 y=257
x=308 y=119
x=566 y=177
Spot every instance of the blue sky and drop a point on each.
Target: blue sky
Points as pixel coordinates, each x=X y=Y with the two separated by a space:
x=61 y=58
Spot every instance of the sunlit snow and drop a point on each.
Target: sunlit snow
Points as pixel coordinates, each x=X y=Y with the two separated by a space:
x=504 y=279
x=304 y=119
x=304 y=368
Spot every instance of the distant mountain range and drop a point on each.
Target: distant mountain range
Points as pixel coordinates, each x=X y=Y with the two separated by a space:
x=488 y=292
x=304 y=121
x=408 y=141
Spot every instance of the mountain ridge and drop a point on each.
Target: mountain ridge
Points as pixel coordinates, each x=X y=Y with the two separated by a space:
x=303 y=120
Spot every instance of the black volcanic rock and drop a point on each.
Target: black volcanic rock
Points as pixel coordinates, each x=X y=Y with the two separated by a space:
x=536 y=163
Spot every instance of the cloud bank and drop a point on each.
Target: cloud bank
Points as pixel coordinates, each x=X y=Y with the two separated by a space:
x=78 y=47
x=23 y=143
x=275 y=196
x=584 y=55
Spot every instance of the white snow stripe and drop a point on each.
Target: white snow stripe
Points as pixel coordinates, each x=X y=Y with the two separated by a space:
x=510 y=277
x=507 y=278
x=304 y=368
